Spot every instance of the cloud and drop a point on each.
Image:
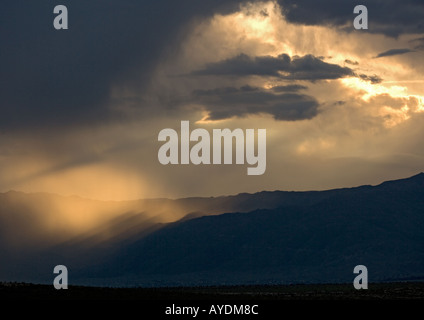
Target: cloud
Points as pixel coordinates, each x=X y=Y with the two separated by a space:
x=70 y=96
x=393 y=52
x=355 y=63
x=228 y=102
x=418 y=43
x=54 y=78
x=289 y=88
x=373 y=79
x=387 y=17
x=307 y=67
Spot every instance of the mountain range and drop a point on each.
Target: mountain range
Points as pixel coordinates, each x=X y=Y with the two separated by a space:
x=267 y=237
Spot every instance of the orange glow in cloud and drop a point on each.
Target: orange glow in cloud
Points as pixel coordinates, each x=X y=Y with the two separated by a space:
x=392 y=116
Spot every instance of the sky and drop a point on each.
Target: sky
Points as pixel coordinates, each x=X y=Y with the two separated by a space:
x=81 y=109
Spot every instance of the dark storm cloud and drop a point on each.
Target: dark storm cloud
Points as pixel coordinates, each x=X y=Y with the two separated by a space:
x=311 y=68
x=244 y=65
x=389 y=17
x=355 y=63
x=299 y=68
x=393 y=52
x=289 y=88
x=373 y=79
x=54 y=77
x=224 y=103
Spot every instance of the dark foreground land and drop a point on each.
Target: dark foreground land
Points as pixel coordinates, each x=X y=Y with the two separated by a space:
x=376 y=291
x=329 y=301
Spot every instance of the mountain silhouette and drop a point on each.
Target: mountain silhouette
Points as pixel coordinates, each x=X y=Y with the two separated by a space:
x=307 y=241
x=266 y=237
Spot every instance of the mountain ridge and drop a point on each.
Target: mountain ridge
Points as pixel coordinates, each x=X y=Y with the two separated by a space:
x=12 y=191
x=235 y=248
x=265 y=237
